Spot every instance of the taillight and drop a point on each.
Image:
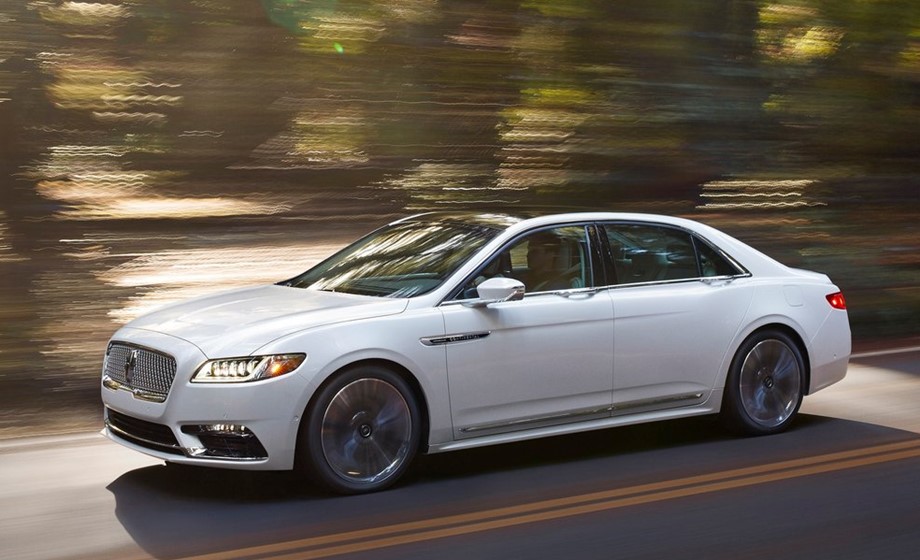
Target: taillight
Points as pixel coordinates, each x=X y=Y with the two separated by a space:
x=837 y=300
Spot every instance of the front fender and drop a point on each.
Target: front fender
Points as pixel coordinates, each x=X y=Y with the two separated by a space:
x=395 y=339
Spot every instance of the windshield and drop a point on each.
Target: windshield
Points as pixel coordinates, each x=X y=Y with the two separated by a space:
x=402 y=260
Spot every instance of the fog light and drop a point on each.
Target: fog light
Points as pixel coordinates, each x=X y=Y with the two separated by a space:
x=225 y=441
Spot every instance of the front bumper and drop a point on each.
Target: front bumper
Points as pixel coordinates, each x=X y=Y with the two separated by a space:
x=243 y=426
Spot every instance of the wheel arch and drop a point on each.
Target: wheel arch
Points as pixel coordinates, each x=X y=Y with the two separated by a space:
x=789 y=331
x=746 y=414
x=394 y=367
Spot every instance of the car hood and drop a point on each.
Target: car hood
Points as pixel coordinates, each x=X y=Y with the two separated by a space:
x=239 y=322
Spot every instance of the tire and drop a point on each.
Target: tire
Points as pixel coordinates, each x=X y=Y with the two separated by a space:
x=361 y=432
x=765 y=384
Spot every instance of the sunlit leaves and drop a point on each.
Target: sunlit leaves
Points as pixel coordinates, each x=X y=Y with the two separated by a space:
x=794 y=33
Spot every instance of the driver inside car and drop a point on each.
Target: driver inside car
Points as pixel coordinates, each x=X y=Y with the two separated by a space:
x=546 y=266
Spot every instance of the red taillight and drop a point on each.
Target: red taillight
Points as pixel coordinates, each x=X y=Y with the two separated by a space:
x=837 y=300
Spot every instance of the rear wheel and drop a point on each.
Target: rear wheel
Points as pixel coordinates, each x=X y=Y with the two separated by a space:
x=765 y=384
x=362 y=431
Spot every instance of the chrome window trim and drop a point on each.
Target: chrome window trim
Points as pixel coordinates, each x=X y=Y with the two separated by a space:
x=702 y=279
x=694 y=236
x=452 y=297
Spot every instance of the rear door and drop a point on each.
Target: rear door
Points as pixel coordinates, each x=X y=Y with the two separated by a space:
x=677 y=305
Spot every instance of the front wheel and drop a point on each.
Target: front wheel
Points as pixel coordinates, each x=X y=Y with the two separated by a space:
x=361 y=432
x=765 y=384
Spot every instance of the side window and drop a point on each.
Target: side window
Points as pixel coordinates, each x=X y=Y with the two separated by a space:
x=644 y=253
x=713 y=263
x=546 y=260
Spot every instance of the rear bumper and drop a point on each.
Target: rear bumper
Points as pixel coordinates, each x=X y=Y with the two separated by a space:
x=830 y=351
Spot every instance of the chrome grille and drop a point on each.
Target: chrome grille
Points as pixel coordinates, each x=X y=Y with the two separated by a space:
x=149 y=374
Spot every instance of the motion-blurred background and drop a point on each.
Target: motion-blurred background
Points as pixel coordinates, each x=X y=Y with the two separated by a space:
x=152 y=150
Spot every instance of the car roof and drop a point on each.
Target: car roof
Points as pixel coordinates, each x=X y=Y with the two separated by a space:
x=515 y=224
x=528 y=219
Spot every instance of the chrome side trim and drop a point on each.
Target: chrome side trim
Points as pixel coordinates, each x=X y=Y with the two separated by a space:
x=453 y=338
x=658 y=401
x=480 y=440
x=569 y=416
x=538 y=419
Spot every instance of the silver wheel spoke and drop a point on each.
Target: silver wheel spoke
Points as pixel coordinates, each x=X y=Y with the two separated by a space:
x=366 y=431
x=770 y=383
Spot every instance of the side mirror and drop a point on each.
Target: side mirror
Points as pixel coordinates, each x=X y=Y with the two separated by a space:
x=497 y=290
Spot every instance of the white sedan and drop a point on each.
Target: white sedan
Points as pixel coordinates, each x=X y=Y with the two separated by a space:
x=441 y=332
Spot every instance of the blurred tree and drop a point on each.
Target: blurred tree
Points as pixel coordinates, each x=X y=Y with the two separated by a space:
x=843 y=81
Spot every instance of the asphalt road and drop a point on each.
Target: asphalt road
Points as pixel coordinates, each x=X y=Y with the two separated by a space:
x=843 y=483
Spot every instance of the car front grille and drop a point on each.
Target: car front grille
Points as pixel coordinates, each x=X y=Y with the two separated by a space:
x=142 y=433
x=147 y=373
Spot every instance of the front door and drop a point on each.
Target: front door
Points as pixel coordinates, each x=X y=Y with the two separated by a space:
x=543 y=360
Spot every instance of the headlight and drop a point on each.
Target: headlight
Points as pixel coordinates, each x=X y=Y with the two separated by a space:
x=252 y=368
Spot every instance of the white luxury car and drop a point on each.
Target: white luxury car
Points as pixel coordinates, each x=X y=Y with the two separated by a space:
x=441 y=332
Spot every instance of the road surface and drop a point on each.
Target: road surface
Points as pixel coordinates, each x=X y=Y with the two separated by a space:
x=843 y=483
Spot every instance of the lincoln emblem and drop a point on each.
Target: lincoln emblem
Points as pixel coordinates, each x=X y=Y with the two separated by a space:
x=129 y=366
